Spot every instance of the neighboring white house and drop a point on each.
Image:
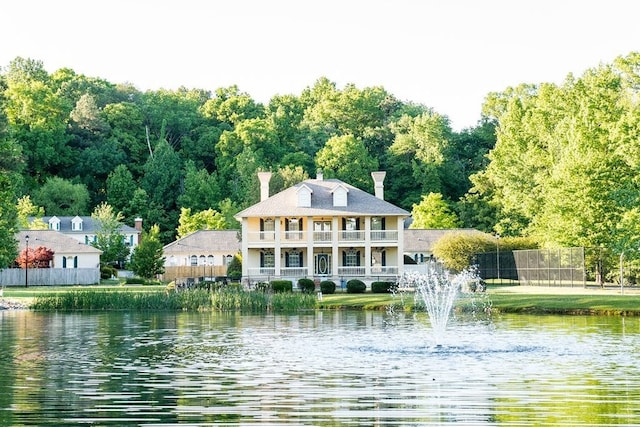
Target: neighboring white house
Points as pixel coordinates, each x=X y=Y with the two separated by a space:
x=203 y=253
x=67 y=252
x=322 y=229
x=84 y=229
x=202 y=247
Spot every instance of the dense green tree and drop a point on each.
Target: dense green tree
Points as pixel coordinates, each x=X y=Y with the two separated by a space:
x=286 y=177
x=37 y=119
x=108 y=235
x=120 y=187
x=8 y=221
x=433 y=212
x=26 y=209
x=59 y=196
x=228 y=209
x=162 y=182
x=425 y=143
x=231 y=106
x=346 y=158
x=251 y=146
x=564 y=167
x=10 y=168
x=173 y=115
x=201 y=189
x=203 y=220
x=127 y=129
x=147 y=259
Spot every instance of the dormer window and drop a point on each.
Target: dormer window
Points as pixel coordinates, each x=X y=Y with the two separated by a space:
x=304 y=196
x=340 y=196
x=54 y=223
x=76 y=224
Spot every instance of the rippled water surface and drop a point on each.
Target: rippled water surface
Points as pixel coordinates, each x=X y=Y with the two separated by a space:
x=316 y=369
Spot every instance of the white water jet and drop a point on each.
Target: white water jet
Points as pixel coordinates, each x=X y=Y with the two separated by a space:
x=437 y=290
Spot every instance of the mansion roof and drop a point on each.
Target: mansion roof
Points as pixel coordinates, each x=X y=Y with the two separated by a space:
x=286 y=203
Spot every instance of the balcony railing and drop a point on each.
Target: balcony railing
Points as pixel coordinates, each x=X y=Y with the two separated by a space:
x=351 y=236
x=256 y=237
x=296 y=272
x=384 y=235
x=384 y=270
x=351 y=271
x=322 y=236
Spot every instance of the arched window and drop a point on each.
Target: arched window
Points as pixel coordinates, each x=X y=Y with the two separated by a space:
x=194 y=260
x=202 y=260
x=210 y=260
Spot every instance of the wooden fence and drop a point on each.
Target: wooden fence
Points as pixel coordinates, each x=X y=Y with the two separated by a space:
x=49 y=276
x=200 y=272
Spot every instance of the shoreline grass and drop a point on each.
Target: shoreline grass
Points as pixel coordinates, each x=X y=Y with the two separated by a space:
x=157 y=298
x=192 y=300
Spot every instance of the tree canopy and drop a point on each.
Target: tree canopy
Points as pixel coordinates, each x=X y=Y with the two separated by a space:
x=558 y=162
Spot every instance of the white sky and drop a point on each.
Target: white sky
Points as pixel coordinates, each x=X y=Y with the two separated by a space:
x=446 y=54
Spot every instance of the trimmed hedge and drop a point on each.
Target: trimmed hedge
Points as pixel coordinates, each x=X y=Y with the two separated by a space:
x=307 y=285
x=282 y=285
x=383 y=287
x=356 y=286
x=328 y=287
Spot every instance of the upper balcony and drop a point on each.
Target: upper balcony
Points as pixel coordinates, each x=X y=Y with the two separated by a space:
x=300 y=238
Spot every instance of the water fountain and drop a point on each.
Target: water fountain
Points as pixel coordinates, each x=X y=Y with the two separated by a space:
x=437 y=291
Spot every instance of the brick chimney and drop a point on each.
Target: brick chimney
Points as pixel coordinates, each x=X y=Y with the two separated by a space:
x=264 y=178
x=378 y=179
x=137 y=224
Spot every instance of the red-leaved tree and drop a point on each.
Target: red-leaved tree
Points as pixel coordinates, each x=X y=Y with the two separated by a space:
x=39 y=257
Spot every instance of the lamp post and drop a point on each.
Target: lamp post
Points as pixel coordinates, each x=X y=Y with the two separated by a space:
x=498 y=255
x=26 y=262
x=621 y=273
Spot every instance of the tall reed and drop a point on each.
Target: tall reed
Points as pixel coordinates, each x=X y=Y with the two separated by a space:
x=191 y=300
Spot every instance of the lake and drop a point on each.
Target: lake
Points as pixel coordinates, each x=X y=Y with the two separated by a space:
x=323 y=368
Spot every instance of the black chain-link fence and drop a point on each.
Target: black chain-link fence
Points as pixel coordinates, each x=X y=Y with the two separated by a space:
x=548 y=267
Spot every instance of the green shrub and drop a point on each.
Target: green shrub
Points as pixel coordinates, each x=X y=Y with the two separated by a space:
x=282 y=285
x=383 y=287
x=356 y=286
x=328 y=287
x=234 y=269
x=134 y=281
x=307 y=285
x=107 y=272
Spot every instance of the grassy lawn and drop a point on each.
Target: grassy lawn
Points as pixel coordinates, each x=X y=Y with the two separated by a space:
x=501 y=301
x=566 y=304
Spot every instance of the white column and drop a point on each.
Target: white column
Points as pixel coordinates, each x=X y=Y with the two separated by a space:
x=400 y=246
x=245 y=247
x=367 y=246
x=310 y=264
x=277 y=249
x=335 y=253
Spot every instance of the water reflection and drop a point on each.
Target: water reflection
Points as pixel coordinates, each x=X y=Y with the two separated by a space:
x=321 y=369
